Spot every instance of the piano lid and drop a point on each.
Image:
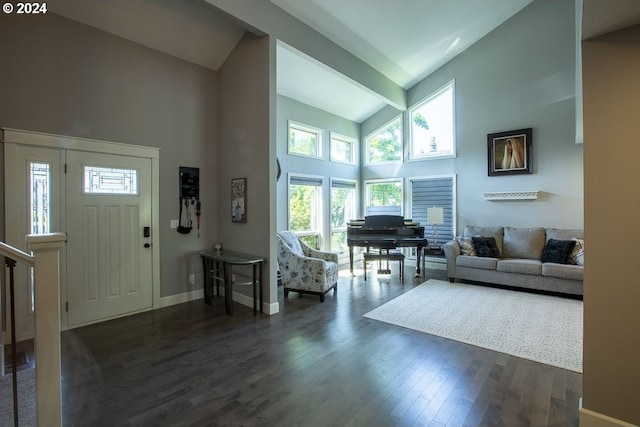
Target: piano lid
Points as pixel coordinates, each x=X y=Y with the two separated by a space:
x=382 y=221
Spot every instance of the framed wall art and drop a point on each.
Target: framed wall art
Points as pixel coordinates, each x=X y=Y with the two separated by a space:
x=510 y=153
x=239 y=200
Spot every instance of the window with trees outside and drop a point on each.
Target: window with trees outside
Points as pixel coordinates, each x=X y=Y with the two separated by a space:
x=343 y=210
x=305 y=140
x=305 y=208
x=432 y=125
x=343 y=149
x=384 y=197
x=385 y=144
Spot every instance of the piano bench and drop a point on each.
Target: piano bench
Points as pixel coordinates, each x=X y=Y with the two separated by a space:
x=384 y=256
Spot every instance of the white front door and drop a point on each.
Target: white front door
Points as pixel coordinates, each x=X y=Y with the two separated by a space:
x=109 y=256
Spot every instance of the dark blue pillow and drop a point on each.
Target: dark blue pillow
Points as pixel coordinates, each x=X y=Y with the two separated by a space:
x=558 y=251
x=486 y=246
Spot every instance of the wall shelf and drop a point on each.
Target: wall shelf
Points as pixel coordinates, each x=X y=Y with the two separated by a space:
x=510 y=195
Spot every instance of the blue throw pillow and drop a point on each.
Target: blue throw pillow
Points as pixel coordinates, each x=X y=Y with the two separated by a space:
x=486 y=246
x=558 y=251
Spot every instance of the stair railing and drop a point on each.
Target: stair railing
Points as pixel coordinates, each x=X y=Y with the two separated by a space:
x=46 y=263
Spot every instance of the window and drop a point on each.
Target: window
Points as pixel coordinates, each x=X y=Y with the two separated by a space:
x=305 y=208
x=305 y=140
x=343 y=149
x=39 y=182
x=385 y=144
x=432 y=126
x=384 y=197
x=430 y=192
x=40 y=208
x=343 y=210
x=99 y=180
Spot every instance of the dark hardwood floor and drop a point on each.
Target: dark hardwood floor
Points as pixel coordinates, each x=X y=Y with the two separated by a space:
x=312 y=364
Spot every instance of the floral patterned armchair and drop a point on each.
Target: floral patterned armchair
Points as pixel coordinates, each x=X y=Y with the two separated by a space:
x=304 y=269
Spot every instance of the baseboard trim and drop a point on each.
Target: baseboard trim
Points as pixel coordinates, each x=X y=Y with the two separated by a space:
x=590 y=418
x=180 y=298
x=199 y=294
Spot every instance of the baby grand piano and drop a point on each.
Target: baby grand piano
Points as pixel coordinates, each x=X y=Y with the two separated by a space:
x=385 y=232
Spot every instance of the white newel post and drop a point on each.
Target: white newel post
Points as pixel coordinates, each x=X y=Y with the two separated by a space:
x=46 y=250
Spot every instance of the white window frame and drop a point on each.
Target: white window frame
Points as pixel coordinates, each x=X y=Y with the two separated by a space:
x=319 y=208
x=354 y=209
x=346 y=139
x=305 y=128
x=436 y=155
x=367 y=192
x=367 y=158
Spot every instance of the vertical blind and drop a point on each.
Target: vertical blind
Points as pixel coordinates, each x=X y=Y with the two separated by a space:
x=430 y=192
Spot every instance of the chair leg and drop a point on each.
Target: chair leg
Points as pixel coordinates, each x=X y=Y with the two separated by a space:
x=321 y=297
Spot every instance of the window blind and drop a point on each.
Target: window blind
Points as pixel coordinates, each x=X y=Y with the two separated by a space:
x=430 y=192
x=305 y=180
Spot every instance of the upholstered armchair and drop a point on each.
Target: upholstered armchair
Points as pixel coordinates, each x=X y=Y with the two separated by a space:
x=304 y=269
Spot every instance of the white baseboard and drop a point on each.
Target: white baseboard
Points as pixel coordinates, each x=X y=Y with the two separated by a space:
x=199 y=294
x=590 y=418
x=180 y=298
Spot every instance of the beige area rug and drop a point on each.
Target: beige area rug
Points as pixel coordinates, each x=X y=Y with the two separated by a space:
x=541 y=328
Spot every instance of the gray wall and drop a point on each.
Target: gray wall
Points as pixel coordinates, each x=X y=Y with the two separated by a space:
x=245 y=90
x=520 y=75
x=611 y=66
x=62 y=77
x=288 y=109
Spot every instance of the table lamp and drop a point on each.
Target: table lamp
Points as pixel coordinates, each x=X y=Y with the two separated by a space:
x=435 y=216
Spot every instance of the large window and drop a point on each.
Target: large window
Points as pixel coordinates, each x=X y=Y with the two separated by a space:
x=384 y=197
x=385 y=144
x=305 y=140
x=434 y=192
x=305 y=208
x=343 y=209
x=432 y=125
x=343 y=149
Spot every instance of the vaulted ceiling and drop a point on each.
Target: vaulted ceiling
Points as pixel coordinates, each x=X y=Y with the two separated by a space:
x=404 y=44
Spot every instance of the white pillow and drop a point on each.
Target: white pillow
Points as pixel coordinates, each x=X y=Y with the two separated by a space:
x=577 y=256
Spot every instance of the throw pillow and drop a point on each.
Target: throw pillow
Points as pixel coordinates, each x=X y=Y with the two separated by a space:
x=486 y=246
x=577 y=255
x=558 y=251
x=466 y=246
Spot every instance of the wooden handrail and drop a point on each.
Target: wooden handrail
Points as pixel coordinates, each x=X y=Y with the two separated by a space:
x=16 y=254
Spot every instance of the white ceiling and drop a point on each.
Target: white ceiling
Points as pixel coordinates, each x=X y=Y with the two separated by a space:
x=403 y=43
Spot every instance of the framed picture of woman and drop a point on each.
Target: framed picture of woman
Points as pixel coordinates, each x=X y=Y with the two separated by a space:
x=509 y=153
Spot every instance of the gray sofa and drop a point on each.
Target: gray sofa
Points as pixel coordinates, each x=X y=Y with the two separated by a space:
x=519 y=262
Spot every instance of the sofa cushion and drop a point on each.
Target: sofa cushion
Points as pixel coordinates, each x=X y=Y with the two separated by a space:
x=483 y=263
x=523 y=242
x=558 y=251
x=564 y=233
x=577 y=256
x=485 y=246
x=495 y=232
x=563 y=271
x=522 y=266
x=466 y=246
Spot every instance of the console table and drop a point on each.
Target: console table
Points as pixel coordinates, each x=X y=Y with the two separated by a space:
x=218 y=267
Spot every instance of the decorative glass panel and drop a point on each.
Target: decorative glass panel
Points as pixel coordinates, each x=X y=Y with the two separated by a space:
x=99 y=180
x=39 y=181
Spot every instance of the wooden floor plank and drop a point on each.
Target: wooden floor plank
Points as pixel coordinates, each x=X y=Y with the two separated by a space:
x=312 y=364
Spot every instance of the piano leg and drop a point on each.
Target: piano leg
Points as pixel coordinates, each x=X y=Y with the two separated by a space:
x=351 y=260
x=419 y=252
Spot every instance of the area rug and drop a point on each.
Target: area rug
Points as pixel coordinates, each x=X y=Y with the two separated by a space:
x=26 y=399
x=541 y=328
